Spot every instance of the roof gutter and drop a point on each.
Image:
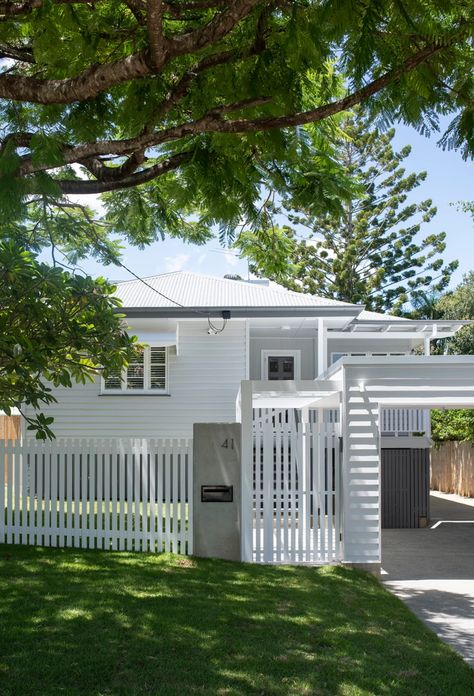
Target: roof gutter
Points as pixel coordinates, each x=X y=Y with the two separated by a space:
x=239 y=312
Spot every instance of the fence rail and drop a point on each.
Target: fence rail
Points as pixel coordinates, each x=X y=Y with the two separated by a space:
x=102 y=494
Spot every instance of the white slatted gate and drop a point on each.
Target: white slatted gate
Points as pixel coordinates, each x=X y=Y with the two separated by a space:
x=102 y=494
x=297 y=483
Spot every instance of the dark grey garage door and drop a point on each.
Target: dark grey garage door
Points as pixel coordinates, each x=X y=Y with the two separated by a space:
x=405 y=488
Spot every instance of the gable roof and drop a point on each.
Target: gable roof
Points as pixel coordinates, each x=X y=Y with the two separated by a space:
x=183 y=290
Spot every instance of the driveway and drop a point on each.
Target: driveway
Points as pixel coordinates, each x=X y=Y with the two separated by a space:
x=432 y=570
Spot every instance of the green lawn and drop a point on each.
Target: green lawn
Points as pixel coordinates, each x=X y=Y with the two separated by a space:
x=93 y=622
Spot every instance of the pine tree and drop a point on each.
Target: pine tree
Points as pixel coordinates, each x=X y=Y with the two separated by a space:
x=371 y=255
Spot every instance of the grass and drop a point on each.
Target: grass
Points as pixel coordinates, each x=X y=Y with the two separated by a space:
x=99 y=623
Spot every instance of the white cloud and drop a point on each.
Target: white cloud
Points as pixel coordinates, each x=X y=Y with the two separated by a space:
x=201 y=259
x=176 y=263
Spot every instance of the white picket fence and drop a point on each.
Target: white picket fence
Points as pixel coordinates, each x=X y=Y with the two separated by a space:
x=98 y=494
x=297 y=483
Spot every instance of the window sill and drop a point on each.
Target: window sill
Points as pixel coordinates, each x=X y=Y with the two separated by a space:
x=134 y=393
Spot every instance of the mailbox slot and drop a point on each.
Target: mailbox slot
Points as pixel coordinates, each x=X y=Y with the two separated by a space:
x=217 y=494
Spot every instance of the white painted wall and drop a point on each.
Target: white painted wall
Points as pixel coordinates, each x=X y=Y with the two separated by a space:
x=204 y=380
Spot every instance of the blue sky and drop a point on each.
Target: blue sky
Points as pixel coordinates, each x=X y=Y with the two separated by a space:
x=449 y=180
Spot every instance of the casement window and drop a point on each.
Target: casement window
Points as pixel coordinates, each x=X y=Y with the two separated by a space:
x=148 y=373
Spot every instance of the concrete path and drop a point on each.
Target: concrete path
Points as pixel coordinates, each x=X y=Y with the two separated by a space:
x=432 y=570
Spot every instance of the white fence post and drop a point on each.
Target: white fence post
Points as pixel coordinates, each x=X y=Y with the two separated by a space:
x=246 y=409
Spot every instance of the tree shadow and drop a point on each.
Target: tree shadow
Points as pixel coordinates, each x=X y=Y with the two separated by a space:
x=92 y=622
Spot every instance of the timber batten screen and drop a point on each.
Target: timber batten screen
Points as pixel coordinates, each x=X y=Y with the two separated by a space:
x=296 y=491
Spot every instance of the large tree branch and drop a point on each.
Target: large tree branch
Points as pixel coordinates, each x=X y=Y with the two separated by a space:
x=98 y=79
x=213 y=122
x=19 y=53
x=78 y=186
x=154 y=12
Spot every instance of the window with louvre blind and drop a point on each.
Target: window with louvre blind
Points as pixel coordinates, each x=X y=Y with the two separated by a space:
x=148 y=373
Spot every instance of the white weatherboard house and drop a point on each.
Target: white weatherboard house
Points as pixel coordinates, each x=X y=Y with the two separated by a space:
x=334 y=404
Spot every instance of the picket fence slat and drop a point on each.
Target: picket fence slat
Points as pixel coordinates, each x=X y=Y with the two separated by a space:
x=97 y=494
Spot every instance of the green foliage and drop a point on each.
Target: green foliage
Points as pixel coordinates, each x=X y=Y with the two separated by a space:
x=369 y=254
x=459 y=304
x=467 y=207
x=278 y=60
x=56 y=328
x=455 y=424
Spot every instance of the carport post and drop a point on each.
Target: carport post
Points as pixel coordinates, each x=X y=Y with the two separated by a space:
x=246 y=415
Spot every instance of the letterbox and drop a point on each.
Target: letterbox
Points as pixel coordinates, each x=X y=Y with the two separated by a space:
x=217 y=494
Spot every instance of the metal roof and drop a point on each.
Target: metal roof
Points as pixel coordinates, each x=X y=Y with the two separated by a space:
x=187 y=294
x=185 y=290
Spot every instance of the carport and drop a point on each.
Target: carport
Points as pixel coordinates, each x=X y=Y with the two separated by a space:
x=370 y=384
x=362 y=386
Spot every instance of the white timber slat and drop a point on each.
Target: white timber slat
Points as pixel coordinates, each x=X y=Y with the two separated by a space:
x=10 y=490
x=293 y=492
x=182 y=496
x=167 y=503
x=257 y=488
x=17 y=522
x=286 y=495
x=174 y=469
x=278 y=493
x=122 y=482
x=144 y=497
x=189 y=520
x=268 y=503
x=54 y=496
x=159 y=495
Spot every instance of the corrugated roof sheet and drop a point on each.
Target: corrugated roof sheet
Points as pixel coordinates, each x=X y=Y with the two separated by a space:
x=365 y=315
x=182 y=288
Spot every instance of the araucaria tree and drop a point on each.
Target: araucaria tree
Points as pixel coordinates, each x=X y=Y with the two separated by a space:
x=371 y=253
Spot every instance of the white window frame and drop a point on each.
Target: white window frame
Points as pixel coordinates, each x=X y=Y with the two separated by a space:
x=265 y=354
x=124 y=391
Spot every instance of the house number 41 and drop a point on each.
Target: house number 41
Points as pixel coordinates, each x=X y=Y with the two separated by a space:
x=228 y=443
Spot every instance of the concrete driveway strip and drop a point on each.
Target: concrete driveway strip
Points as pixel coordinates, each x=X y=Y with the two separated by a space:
x=432 y=570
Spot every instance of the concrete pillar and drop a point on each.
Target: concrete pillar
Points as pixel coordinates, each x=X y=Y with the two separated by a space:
x=217 y=490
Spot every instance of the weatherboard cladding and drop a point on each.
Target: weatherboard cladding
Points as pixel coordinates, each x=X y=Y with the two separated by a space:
x=194 y=290
x=203 y=387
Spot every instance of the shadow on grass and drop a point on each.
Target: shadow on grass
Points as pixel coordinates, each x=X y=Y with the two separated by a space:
x=91 y=622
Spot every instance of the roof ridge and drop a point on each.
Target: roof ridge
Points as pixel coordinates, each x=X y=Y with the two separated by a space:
x=155 y=275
